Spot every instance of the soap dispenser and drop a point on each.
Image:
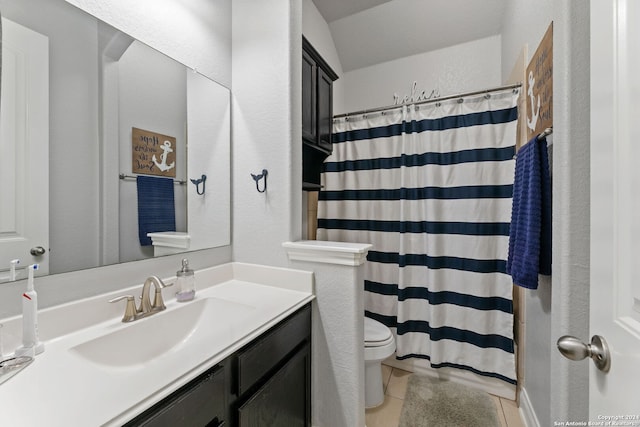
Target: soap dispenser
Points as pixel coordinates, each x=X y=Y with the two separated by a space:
x=186 y=283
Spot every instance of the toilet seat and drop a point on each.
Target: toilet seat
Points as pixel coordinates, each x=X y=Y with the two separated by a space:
x=376 y=334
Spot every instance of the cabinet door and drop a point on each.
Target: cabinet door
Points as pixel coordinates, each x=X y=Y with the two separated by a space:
x=284 y=400
x=265 y=353
x=309 y=123
x=325 y=110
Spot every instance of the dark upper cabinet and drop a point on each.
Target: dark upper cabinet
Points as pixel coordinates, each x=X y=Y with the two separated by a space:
x=325 y=110
x=317 y=114
x=309 y=116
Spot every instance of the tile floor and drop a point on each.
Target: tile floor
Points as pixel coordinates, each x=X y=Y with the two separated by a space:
x=395 y=385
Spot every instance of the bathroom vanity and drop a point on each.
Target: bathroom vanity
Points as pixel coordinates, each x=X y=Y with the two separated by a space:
x=267 y=382
x=239 y=354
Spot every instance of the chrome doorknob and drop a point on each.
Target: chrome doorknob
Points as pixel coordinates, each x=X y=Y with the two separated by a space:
x=574 y=349
x=37 y=251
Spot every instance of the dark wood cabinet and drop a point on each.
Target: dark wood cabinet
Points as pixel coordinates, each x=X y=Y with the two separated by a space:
x=283 y=401
x=309 y=116
x=267 y=383
x=274 y=376
x=202 y=402
x=317 y=114
x=325 y=109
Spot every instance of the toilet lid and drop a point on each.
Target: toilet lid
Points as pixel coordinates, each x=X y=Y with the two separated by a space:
x=375 y=331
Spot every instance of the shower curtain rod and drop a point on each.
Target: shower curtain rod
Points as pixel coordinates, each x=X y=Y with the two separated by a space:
x=440 y=99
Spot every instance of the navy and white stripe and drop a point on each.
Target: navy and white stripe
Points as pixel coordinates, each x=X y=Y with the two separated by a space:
x=431 y=190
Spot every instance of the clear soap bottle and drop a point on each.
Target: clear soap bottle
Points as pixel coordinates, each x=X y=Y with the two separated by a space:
x=185 y=283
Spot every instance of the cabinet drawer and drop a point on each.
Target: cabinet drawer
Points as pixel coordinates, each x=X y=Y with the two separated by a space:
x=199 y=403
x=260 y=357
x=284 y=400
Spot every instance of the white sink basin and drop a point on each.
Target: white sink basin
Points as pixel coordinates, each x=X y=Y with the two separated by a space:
x=144 y=340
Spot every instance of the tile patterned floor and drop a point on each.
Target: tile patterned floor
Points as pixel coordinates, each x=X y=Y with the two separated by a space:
x=395 y=387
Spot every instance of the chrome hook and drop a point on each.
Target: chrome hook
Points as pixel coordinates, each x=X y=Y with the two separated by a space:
x=257 y=179
x=197 y=183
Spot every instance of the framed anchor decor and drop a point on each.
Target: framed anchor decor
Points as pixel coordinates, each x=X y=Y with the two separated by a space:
x=153 y=153
x=539 y=87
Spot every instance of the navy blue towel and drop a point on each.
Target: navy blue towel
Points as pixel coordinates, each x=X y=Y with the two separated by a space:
x=530 y=230
x=156 y=207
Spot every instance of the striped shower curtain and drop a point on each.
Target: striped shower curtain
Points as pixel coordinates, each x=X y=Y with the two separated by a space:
x=429 y=187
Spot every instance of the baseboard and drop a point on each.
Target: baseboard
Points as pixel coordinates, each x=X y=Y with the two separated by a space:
x=527 y=413
x=490 y=385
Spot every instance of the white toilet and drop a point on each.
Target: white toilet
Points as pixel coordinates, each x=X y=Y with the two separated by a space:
x=378 y=345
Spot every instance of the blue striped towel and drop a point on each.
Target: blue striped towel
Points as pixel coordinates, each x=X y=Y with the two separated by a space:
x=156 y=207
x=530 y=230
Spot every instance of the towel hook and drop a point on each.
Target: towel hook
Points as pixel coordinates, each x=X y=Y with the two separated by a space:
x=257 y=179
x=197 y=183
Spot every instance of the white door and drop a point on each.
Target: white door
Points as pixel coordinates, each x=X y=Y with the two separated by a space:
x=615 y=208
x=24 y=148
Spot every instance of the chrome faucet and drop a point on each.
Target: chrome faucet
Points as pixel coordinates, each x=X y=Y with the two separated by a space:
x=147 y=308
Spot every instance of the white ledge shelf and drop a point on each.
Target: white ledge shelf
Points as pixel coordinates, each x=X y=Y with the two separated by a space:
x=340 y=253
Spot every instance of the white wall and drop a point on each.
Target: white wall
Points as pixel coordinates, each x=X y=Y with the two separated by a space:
x=524 y=24
x=209 y=130
x=555 y=388
x=462 y=68
x=266 y=131
x=316 y=31
x=570 y=291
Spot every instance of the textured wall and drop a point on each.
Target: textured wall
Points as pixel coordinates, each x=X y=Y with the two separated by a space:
x=266 y=131
x=569 y=392
x=337 y=344
x=558 y=389
x=209 y=130
x=316 y=30
x=524 y=24
x=457 y=69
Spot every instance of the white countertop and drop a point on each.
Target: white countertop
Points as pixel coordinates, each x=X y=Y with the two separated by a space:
x=63 y=388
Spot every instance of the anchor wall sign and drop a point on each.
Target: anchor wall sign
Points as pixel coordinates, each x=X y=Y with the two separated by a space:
x=539 y=87
x=153 y=153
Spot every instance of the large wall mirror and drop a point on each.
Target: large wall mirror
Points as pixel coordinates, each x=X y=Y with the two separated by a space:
x=86 y=111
